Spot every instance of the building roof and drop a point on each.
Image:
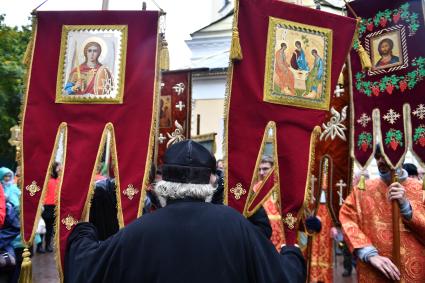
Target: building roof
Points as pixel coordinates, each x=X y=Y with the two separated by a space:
x=218 y=25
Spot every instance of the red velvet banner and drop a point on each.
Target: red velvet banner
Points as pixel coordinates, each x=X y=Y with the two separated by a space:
x=392 y=32
x=174 y=109
x=333 y=144
x=116 y=93
x=294 y=120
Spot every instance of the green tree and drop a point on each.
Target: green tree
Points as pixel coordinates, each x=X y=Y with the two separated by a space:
x=13 y=43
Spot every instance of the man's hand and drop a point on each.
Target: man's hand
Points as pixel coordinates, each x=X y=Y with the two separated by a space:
x=385 y=265
x=397 y=192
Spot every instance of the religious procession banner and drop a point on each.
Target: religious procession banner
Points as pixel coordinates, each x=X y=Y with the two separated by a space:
x=90 y=72
x=330 y=182
x=174 y=109
x=388 y=99
x=280 y=90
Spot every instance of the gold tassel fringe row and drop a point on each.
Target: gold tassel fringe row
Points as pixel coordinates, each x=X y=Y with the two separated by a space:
x=26 y=268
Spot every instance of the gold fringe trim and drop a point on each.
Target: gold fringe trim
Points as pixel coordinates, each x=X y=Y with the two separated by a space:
x=26 y=268
x=275 y=169
x=26 y=60
x=152 y=149
x=235 y=47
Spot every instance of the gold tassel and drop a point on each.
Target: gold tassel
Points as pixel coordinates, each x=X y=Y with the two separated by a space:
x=26 y=268
x=235 y=47
x=364 y=58
x=362 y=183
x=164 y=56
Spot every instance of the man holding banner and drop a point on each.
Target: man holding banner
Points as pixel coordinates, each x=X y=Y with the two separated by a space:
x=367 y=225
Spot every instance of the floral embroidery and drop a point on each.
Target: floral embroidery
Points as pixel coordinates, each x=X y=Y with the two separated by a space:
x=335 y=126
x=364 y=141
x=419 y=136
x=389 y=83
x=393 y=139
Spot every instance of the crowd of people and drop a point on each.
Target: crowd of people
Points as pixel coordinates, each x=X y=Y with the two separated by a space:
x=11 y=245
x=190 y=236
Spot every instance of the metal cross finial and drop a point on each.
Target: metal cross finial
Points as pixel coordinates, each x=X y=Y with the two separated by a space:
x=341 y=185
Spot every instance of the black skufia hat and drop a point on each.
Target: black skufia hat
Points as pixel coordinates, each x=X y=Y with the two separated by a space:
x=188 y=162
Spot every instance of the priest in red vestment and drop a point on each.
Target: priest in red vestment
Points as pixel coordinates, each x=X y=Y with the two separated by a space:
x=366 y=220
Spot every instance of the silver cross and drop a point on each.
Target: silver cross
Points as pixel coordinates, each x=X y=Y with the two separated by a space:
x=341 y=184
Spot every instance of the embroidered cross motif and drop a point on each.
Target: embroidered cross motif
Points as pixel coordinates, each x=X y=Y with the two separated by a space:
x=391 y=116
x=130 y=192
x=341 y=185
x=33 y=188
x=364 y=120
x=238 y=191
x=69 y=221
x=162 y=138
x=339 y=91
x=419 y=112
x=180 y=106
x=179 y=88
x=290 y=220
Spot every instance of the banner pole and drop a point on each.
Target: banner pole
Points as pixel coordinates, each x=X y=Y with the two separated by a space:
x=396 y=225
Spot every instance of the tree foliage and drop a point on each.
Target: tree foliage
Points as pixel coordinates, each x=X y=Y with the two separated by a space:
x=13 y=43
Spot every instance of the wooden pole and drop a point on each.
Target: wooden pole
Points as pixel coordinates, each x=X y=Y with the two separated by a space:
x=396 y=226
x=105 y=4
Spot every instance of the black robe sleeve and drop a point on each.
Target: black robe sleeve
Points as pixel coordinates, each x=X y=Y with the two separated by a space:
x=89 y=260
x=272 y=267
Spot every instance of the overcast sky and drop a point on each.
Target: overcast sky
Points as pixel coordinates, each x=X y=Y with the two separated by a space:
x=183 y=17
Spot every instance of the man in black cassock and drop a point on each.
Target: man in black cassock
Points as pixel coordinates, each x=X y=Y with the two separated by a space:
x=188 y=240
